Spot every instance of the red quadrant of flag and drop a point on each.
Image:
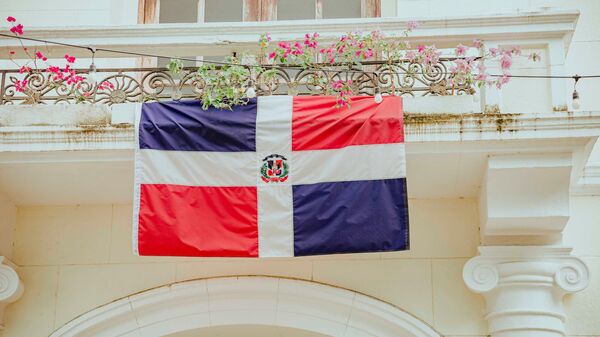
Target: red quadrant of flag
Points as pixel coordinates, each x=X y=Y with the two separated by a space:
x=179 y=220
x=317 y=124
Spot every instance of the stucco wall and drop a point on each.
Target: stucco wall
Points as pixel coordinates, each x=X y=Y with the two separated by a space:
x=74 y=258
x=582 y=233
x=8 y=214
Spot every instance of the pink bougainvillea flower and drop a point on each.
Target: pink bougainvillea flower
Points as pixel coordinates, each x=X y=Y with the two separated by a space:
x=311 y=41
x=39 y=55
x=272 y=55
x=70 y=59
x=462 y=66
x=17 y=30
x=106 y=85
x=20 y=86
x=477 y=43
x=53 y=69
x=421 y=48
x=505 y=61
x=24 y=69
x=411 y=25
x=493 y=52
x=461 y=50
x=298 y=49
x=502 y=81
x=11 y=19
x=377 y=35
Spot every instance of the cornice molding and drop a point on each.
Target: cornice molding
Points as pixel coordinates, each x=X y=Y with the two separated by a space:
x=217 y=38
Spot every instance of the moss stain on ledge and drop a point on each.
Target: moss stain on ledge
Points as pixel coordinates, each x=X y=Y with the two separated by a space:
x=502 y=121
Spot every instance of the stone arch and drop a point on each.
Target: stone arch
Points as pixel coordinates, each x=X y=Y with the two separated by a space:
x=259 y=300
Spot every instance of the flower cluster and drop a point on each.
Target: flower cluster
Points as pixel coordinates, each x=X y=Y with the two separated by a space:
x=57 y=75
x=342 y=90
x=16 y=28
x=427 y=56
x=310 y=41
x=105 y=85
x=463 y=70
x=353 y=48
x=350 y=48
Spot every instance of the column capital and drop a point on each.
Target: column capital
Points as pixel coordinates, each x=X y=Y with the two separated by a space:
x=524 y=286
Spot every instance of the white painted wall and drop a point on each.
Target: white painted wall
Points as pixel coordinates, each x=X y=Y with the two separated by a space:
x=75 y=258
x=8 y=219
x=582 y=232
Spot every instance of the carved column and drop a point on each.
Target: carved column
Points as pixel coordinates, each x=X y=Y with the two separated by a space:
x=523 y=271
x=524 y=288
x=11 y=287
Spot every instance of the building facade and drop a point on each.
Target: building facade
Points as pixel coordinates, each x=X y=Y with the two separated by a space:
x=504 y=185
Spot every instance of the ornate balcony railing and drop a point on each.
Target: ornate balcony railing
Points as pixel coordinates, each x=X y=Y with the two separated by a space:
x=154 y=84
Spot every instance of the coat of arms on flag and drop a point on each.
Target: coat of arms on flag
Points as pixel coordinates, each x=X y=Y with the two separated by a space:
x=280 y=176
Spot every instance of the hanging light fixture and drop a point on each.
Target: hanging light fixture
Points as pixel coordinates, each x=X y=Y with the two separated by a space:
x=251 y=91
x=576 y=101
x=92 y=77
x=378 y=97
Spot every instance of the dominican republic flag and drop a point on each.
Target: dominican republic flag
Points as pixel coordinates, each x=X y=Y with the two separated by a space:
x=280 y=176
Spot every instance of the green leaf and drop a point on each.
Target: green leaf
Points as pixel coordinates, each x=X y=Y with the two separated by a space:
x=175 y=66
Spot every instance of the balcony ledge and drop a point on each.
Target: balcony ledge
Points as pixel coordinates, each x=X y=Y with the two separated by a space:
x=427 y=119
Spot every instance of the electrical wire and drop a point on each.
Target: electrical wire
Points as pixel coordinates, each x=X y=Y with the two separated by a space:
x=93 y=50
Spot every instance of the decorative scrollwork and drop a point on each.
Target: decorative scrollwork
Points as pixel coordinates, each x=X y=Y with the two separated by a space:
x=480 y=275
x=572 y=276
x=154 y=84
